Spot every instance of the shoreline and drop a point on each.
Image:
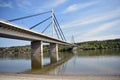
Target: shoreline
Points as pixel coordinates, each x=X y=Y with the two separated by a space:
x=21 y=76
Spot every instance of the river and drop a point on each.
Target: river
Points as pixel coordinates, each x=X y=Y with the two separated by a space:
x=93 y=62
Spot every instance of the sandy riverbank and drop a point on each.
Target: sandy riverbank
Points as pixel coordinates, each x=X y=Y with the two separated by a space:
x=50 y=77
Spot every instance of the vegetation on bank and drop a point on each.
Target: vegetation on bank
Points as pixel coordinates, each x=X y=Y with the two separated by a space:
x=90 y=45
x=94 y=45
x=21 y=51
x=16 y=51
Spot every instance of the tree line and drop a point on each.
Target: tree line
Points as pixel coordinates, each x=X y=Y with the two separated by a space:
x=90 y=45
x=105 y=44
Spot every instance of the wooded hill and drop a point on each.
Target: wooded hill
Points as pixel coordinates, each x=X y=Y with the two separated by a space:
x=105 y=44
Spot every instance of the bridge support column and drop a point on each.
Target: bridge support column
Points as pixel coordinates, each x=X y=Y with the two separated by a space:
x=54 y=52
x=36 y=54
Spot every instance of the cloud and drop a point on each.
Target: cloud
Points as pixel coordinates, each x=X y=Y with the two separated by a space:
x=57 y=3
x=71 y=8
x=76 y=7
x=102 y=28
x=23 y=4
x=6 y=4
x=91 y=34
x=100 y=18
x=50 y=4
x=108 y=19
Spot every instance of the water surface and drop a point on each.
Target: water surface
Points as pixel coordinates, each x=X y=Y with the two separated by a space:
x=17 y=65
x=95 y=62
x=94 y=65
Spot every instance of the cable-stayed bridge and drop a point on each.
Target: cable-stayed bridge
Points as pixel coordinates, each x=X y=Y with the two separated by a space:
x=10 y=30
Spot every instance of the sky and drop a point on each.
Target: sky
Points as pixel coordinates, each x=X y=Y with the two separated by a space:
x=86 y=20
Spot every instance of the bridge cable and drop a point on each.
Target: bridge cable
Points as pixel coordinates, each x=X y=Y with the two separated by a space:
x=40 y=22
x=46 y=28
x=72 y=39
x=58 y=30
x=61 y=31
x=59 y=27
x=28 y=16
x=49 y=26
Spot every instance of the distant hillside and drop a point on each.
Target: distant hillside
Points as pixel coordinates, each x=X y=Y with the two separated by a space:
x=23 y=51
x=16 y=51
x=105 y=44
x=90 y=45
x=19 y=51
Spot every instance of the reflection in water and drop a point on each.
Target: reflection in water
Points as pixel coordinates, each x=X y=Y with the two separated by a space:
x=17 y=65
x=90 y=66
x=94 y=62
x=60 y=70
x=51 y=66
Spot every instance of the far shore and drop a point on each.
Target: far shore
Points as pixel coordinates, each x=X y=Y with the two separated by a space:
x=12 y=76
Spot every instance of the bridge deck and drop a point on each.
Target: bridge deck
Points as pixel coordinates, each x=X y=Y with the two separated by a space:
x=9 y=30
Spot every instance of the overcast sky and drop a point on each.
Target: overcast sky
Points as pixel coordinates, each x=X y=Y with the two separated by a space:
x=86 y=20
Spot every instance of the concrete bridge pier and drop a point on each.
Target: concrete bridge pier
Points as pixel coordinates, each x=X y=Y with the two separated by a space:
x=74 y=50
x=36 y=54
x=53 y=52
